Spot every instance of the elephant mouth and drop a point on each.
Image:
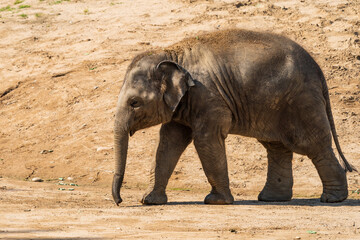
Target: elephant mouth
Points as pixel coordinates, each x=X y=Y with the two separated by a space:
x=132 y=132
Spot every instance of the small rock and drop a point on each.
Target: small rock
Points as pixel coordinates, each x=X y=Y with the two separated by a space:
x=240 y=4
x=70 y=178
x=36 y=179
x=99 y=149
x=46 y=151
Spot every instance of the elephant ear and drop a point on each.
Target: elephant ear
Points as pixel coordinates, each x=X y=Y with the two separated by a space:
x=175 y=82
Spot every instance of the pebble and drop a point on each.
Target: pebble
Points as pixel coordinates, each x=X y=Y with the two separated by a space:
x=99 y=149
x=36 y=179
x=70 y=179
x=46 y=151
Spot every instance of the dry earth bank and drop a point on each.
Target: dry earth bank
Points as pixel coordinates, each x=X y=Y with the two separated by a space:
x=61 y=67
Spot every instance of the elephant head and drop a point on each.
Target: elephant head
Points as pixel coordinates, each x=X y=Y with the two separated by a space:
x=151 y=92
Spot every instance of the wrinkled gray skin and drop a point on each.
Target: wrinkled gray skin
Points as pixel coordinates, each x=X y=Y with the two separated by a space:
x=230 y=82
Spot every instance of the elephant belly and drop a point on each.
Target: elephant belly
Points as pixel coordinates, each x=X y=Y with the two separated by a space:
x=264 y=128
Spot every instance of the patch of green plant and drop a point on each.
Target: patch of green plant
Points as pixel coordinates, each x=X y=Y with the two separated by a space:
x=38 y=15
x=86 y=11
x=92 y=68
x=24 y=6
x=23 y=15
x=58 y=2
x=18 y=2
x=7 y=8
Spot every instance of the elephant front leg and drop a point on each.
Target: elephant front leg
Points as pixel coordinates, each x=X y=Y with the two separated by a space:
x=174 y=138
x=211 y=150
x=279 y=180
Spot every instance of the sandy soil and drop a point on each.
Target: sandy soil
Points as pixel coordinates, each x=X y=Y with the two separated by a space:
x=61 y=67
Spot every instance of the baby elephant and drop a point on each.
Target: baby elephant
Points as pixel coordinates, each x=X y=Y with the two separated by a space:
x=241 y=82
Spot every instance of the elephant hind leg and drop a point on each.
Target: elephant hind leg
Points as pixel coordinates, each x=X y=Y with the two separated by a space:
x=310 y=134
x=279 y=180
x=332 y=175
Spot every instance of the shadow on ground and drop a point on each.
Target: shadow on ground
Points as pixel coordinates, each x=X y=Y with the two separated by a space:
x=293 y=202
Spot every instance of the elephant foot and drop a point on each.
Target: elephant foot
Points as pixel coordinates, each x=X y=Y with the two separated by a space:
x=334 y=196
x=275 y=195
x=154 y=198
x=219 y=199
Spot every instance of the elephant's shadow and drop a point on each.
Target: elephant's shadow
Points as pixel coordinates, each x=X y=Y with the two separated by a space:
x=294 y=202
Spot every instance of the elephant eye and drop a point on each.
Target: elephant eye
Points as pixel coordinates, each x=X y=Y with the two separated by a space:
x=134 y=103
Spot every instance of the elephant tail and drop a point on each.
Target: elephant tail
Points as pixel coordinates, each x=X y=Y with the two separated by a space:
x=348 y=166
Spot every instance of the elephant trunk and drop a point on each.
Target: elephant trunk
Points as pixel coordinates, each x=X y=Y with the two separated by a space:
x=121 y=137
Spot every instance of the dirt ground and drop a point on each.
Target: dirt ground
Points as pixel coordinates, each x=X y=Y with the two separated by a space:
x=61 y=68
